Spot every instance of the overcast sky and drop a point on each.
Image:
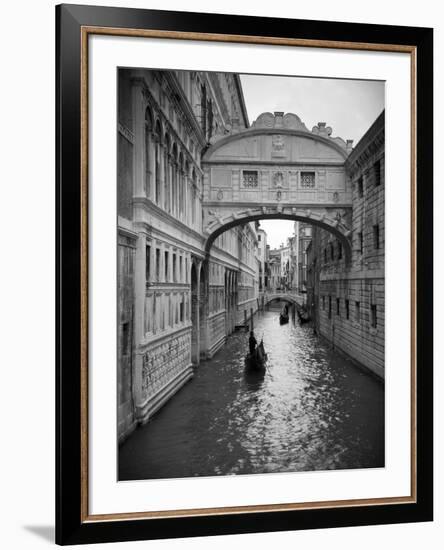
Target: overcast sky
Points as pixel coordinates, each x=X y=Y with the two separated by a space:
x=348 y=106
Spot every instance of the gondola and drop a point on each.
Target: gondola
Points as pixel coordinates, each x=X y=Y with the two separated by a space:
x=258 y=359
x=283 y=318
x=303 y=317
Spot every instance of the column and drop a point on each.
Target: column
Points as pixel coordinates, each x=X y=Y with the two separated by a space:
x=176 y=189
x=179 y=258
x=198 y=264
x=139 y=312
x=162 y=264
x=152 y=274
x=170 y=265
x=180 y=181
x=167 y=181
x=152 y=170
x=185 y=198
x=170 y=183
x=162 y=191
x=139 y=189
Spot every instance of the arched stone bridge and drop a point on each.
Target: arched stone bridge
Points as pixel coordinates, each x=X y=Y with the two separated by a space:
x=286 y=296
x=278 y=169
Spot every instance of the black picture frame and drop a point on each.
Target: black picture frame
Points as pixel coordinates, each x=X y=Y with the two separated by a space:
x=71 y=525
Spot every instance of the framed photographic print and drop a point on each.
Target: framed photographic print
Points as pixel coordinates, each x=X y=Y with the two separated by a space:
x=244 y=251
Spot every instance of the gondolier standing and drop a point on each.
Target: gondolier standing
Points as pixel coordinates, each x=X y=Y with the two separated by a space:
x=252 y=343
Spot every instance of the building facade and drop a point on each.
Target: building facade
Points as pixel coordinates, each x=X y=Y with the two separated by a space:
x=177 y=302
x=304 y=239
x=286 y=267
x=263 y=259
x=346 y=298
x=275 y=269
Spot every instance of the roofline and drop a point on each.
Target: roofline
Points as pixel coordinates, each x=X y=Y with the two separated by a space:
x=276 y=131
x=241 y=98
x=375 y=128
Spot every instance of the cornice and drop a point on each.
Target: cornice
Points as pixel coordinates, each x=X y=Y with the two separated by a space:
x=252 y=131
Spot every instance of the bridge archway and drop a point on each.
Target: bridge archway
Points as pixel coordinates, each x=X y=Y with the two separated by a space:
x=333 y=225
x=268 y=299
x=278 y=169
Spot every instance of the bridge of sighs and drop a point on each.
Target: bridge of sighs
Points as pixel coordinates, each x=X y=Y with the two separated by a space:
x=278 y=168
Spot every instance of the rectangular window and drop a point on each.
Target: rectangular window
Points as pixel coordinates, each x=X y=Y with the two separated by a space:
x=250 y=178
x=376 y=236
x=373 y=314
x=166 y=265
x=329 y=307
x=181 y=311
x=360 y=243
x=338 y=305
x=308 y=180
x=360 y=187
x=357 y=312
x=323 y=302
x=259 y=238
x=347 y=309
x=126 y=341
x=158 y=264
x=325 y=255
x=181 y=269
x=377 y=169
x=148 y=263
x=174 y=268
x=339 y=250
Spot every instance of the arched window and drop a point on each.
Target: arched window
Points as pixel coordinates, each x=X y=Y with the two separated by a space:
x=148 y=153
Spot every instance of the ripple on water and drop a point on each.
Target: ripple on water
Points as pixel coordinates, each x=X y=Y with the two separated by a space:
x=310 y=410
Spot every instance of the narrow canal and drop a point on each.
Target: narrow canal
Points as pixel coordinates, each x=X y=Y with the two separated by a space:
x=312 y=409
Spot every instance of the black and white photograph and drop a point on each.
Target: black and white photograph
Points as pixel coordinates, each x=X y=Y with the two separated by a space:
x=250 y=274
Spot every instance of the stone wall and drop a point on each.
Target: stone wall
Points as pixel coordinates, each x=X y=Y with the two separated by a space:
x=347 y=299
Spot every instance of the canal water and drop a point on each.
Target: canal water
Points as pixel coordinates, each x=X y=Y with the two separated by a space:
x=311 y=409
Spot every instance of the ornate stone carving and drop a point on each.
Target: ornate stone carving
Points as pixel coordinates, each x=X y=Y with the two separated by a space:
x=278 y=146
x=163 y=362
x=265 y=120
x=279 y=120
x=278 y=180
x=321 y=129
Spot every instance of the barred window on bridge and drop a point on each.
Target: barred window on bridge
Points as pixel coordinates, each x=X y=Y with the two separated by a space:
x=308 y=180
x=250 y=178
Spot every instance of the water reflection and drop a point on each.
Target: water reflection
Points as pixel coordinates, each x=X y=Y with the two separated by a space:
x=310 y=409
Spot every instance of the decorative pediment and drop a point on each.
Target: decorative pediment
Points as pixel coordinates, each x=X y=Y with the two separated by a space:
x=289 y=121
